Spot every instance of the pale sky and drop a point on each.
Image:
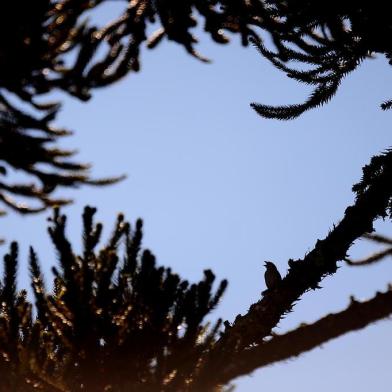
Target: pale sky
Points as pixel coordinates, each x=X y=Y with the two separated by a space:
x=219 y=187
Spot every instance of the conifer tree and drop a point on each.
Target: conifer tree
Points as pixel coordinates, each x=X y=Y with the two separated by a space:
x=48 y=45
x=115 y=320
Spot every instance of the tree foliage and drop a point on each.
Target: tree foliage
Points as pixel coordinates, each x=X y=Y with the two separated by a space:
x=115 y=320
x=52 y=46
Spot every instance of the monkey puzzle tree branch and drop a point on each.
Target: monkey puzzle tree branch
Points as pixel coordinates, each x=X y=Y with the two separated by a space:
x=373 y=200
x=50 y=46
x=26 y=144
x=305 y=338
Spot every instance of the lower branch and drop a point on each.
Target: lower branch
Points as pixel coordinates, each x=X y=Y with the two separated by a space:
x=305 y=338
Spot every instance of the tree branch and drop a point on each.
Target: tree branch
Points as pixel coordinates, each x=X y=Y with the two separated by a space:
x=305 y=338
x=372 y=259
x=382 y=239
x=375 y=257
x=373 y=200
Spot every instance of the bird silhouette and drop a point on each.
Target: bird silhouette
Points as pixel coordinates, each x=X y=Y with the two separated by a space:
x=272 y=276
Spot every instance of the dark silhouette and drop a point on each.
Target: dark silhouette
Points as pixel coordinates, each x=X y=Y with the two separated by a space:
x=115 y=320
x=271 y=275
x=37 y=40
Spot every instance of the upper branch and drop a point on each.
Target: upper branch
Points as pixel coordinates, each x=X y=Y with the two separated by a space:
x=373 y=200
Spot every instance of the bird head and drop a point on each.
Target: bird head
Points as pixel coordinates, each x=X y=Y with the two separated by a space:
x=268 y=264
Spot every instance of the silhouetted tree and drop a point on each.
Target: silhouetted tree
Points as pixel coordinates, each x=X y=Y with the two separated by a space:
x=115 y=320
x=47 y=46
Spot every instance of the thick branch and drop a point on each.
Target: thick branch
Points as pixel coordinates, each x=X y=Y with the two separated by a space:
x=305 y=274
x=373 y=201
x=305 y=338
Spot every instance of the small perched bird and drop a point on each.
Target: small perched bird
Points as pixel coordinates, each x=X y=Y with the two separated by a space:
x=272 y=276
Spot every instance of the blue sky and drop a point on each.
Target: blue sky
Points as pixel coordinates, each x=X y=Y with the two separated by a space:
x=219 y=187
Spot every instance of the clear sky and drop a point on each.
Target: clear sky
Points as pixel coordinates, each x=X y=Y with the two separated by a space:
x=219 y=187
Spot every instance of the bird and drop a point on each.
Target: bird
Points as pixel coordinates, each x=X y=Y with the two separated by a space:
x=272 y=276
